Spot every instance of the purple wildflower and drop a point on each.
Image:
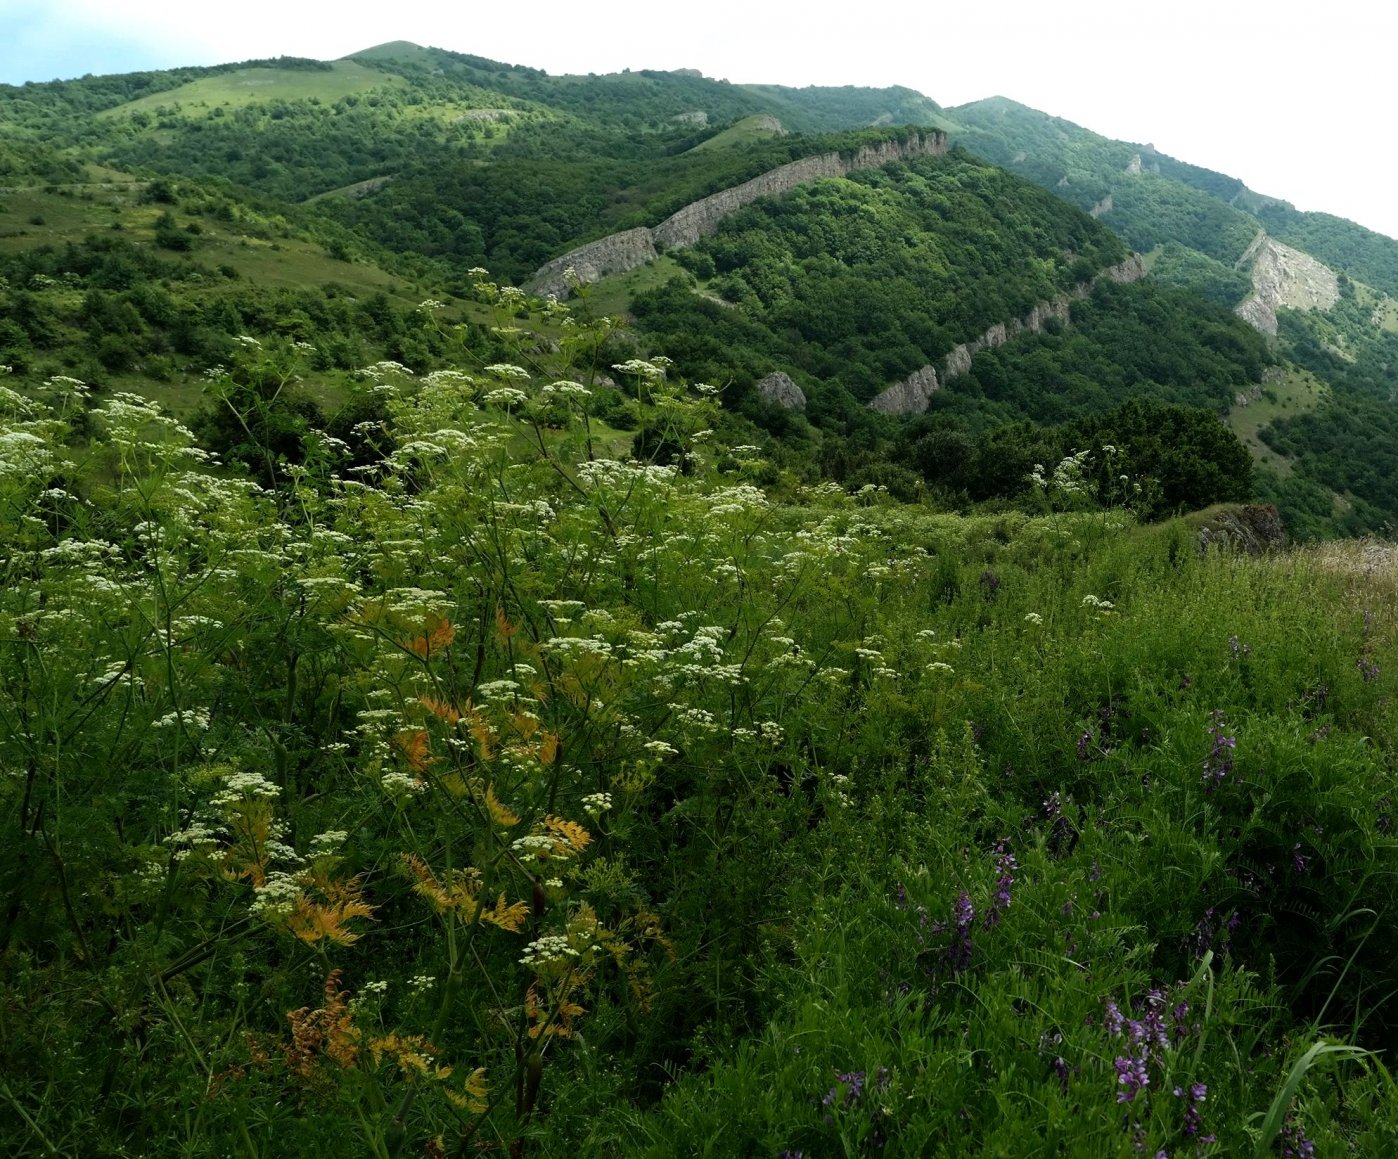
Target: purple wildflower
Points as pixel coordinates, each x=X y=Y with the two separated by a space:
x=1005 y=866
x=1085 y=745
x=1193 y=1120
x=961 y=948
x=1368 y=669
x=1113 y=1021
x=1152 y=1025
x=1131 y=1073
x=1294 y=1144
x=1298 y=859
x=854 y=1080
x=1219 y=762
x=1180 y=1014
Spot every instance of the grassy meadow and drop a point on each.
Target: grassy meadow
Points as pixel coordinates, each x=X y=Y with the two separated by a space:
x=481 y=789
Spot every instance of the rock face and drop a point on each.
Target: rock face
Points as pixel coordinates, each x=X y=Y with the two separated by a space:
x=778 y=389
x=912 y=395
x=1257 y=314
x=1133 y=167
x=612 y=254
x=1254 y=528
x=1103 y=206
x=1282 y=276
x=700 y=219
x=694 y=117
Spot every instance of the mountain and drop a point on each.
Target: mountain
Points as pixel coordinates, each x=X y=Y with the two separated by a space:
x=1324 y=288
x=940 y=289
x=634 y=615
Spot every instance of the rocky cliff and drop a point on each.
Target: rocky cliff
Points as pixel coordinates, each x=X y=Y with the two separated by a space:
x=912 y=394
x=1282 y=276
x=626 y=251
x=778 y=389
x=612 y=254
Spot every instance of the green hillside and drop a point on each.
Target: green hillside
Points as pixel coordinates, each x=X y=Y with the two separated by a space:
x=246 y=86
x=455 y=162
x=1201 y=227
x=457 y=781
x=838 y=683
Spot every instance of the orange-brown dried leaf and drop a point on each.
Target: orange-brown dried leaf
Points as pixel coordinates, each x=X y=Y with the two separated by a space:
x=440 y=708
x=312 y=920
x=503 y=628
x=440 y=633
x=483 y=735
x=569 y=838
x=415 y=747
x=507 y=917
x=499 y=814
x=328 y=1031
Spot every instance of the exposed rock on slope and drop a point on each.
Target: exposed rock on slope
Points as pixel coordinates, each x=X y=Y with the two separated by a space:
x=778 y=389
x=912 y=394
x=626 y=251
x=1253 y=528
x=1282 y=276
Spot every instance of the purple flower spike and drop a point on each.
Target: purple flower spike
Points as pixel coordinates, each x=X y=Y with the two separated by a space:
x=1131 y=1073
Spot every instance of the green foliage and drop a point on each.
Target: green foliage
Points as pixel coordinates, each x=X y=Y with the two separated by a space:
x=1181 y=267
x=474 y=784
x=857 y=282
x=1125 y=341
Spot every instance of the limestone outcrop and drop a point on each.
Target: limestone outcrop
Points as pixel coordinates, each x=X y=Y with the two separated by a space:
x=1103 y=206
x=912 y=394
x=626 y=251
x=778 y=389
x=1253 y=529
x=613 y=254
x=1283 y=276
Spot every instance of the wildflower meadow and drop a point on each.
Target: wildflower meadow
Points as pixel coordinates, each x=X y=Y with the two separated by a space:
x=491 y=781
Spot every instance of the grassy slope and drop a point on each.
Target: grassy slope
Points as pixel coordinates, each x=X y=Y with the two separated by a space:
x=252 y=85
x=1296 y=392
x=749 y=129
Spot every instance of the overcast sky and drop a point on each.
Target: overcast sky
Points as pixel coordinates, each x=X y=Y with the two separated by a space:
x=1295 y=99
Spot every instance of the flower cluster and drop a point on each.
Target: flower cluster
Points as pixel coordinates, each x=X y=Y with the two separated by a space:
x=1145 y=1044
x=1219 y=763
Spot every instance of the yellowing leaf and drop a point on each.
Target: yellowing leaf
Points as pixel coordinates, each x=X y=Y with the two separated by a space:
x=413 y=744
x=441 y=709
x=507 y=917
x=500 y=815
x=569 y=838
x=440 y=633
